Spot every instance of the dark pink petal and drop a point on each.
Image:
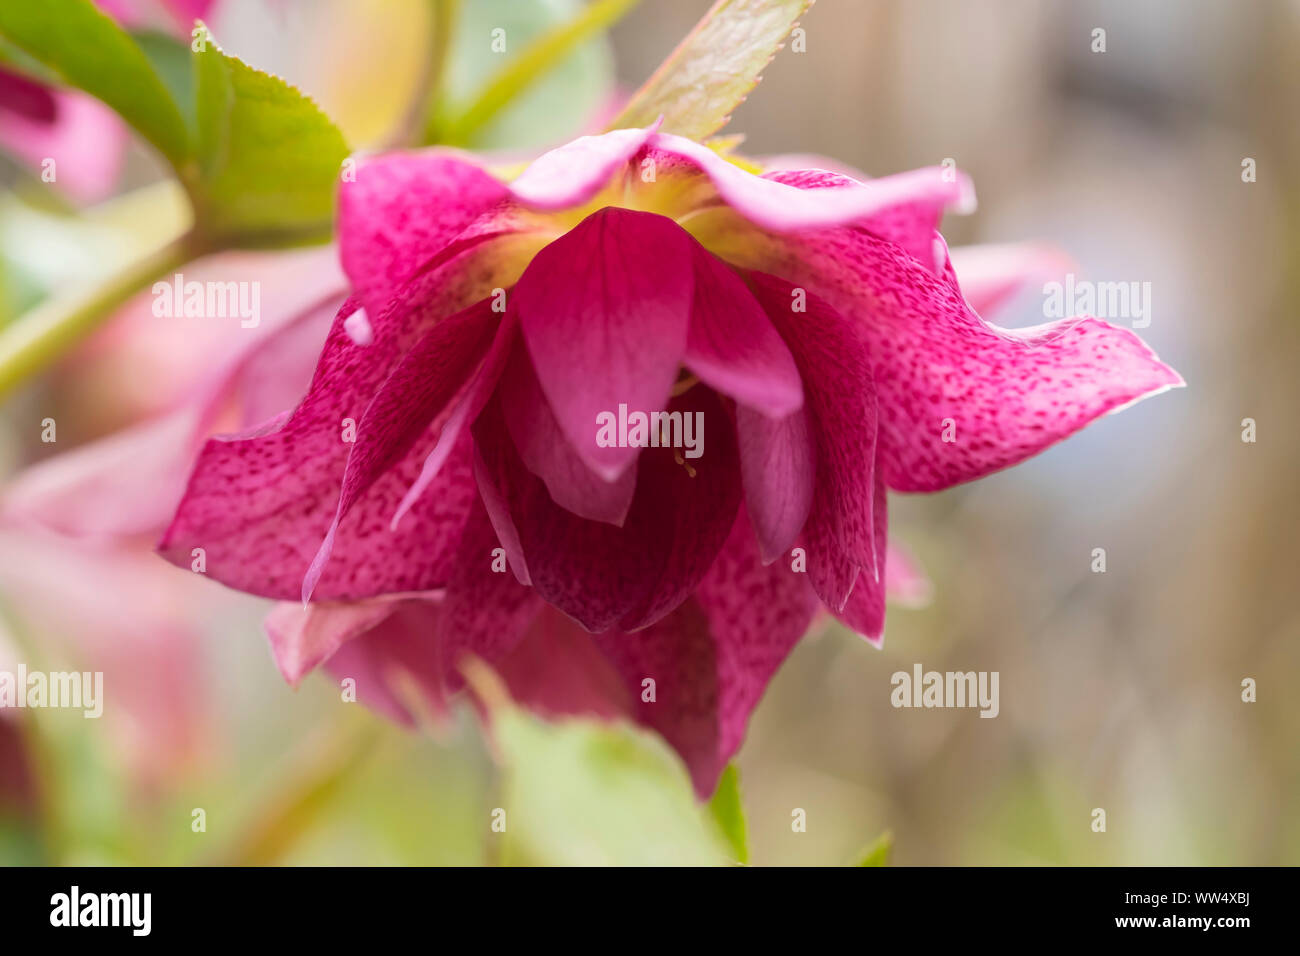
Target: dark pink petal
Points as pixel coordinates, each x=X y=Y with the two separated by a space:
x=1001 y=395
x=605 y=310
x=259 y=506
x=606 y=576
x=402 y=210
x=414 y=401
x=732 y=346
x=558 y=670
x=778 y=473
x=835 y=364
x=712 y=658
x=547 y=453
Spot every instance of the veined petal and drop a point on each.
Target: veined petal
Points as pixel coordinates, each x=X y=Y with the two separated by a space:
x=259 y=504
x=865 y=610
x=959 y=398
x=605 y=311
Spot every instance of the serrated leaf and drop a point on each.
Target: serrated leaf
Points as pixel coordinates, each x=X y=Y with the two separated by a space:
x=85 y=48
x=877 y=852
x=729 y=812
x=268 y=158
x=714 y=68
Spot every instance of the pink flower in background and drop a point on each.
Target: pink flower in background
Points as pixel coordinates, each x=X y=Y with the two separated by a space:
x=83 y=138
x=813 y=323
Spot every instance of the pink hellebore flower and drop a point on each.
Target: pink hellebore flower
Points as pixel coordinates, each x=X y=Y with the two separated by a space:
x=814 y=325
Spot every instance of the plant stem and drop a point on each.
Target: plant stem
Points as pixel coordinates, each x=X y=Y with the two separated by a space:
x=40 y=336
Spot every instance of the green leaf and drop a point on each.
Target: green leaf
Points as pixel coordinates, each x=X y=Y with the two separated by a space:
x=268 y=158
x=583 y=792
x=877 y=853
x=562 y=87
x=729 y=813
x=170 y=59
x=84 y=48
x=714 y=68
x=538 y=58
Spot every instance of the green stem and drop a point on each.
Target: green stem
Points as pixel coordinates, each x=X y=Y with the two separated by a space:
x=422 y=128
x=36 y=339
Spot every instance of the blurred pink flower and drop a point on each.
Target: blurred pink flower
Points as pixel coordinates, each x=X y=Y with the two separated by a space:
x=813 y=321
x=83 y=138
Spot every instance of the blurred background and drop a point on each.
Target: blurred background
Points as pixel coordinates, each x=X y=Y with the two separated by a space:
x=1119 y=690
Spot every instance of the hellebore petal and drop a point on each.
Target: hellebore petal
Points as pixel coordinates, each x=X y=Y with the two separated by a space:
x=605 y=311
x=483 y=611
x=548 y=454
x=732 y=346
x=400 y=211
x=834 y=360
x=414 y=400
x=571 y=174
x=713 y=657
x=606 y=576
x=1000 y=395
x=904 y=205
x=260 y=505
x=304 y=637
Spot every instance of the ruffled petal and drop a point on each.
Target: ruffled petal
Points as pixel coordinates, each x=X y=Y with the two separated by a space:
x=573 y=173
x=959 y=398
x=903 y=207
